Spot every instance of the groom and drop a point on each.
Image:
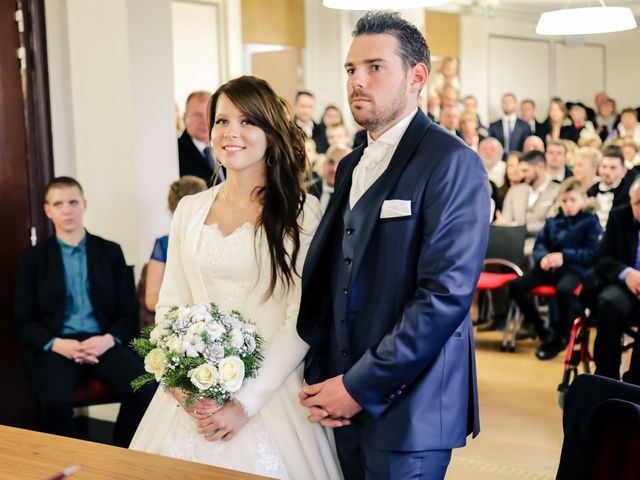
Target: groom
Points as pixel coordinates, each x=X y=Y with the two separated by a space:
x=391 y=271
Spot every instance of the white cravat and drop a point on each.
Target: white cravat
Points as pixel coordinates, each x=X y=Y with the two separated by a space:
x=376 y=158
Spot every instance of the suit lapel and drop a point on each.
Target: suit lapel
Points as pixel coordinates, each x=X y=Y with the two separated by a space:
x=389 y=179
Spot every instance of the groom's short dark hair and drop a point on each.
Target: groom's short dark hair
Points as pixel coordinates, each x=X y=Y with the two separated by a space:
x=412 y=46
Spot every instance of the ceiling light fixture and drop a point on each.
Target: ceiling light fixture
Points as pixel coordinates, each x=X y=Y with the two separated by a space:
x=380 y=4
x=585 y=21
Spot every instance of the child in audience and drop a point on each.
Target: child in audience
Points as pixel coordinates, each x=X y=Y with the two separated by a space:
x=562 y=254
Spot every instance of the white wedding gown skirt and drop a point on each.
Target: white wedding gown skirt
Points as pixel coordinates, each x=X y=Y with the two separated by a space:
x=278 y=441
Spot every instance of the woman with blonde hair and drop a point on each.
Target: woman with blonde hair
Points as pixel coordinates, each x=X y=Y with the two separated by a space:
x=241 y=245
x=586 y=162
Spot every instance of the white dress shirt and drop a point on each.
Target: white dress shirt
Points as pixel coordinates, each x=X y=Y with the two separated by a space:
x=508 y=121
x=535 y=194
x=376 y=158
x=200 y=146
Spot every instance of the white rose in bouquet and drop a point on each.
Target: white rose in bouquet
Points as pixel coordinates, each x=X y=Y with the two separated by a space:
x=231 y=370
x=173 y=344
x=204 y=376
x=197 y=328
x=200 y=313
x=215 y=331
x=156 y=362
x=156 y=334
x=237 y=339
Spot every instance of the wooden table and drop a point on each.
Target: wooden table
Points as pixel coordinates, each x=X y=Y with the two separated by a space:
x=25 y=455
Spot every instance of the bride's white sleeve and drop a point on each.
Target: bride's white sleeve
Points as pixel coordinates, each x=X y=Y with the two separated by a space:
x=285 y=350
x=174 y=289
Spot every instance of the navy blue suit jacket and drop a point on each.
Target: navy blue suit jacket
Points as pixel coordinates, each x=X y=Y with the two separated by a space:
x=413 y=361
x=521 y=131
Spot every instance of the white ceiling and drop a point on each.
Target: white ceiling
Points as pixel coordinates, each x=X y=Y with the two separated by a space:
x=525 y=7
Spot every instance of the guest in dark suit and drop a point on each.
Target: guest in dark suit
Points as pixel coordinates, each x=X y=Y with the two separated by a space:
x=194 y=152
x=528 y=114
x=391 y=358
x=76 y=311
x=303 y=109
x=556 y=155
x=510 y=130
x=616 y=265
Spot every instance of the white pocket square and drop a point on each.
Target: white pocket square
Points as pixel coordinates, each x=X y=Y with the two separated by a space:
x=395 y=208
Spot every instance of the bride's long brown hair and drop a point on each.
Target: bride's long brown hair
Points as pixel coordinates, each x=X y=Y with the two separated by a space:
x=283 y=195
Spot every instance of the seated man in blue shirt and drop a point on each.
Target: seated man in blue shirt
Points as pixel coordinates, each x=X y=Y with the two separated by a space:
x=76 y=311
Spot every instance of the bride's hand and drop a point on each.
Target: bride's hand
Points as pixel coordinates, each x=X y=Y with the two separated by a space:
x=198 y=410
x=224 y=424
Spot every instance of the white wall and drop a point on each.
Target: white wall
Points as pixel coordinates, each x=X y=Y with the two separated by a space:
x=117 y=81
x=621 y=69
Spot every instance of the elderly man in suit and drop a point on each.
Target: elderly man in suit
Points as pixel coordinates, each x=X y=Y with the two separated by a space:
x=391 y=272
x=76 y=311
x=510 y=130
x=528 y=203
x=617 y=266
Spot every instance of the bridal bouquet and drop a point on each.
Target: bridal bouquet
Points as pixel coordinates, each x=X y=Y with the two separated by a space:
x=205 y=351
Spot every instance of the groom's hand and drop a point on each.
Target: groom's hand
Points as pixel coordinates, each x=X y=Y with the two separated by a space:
x=329 y=402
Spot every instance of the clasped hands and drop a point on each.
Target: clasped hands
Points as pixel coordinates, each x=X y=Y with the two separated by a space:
x=329 y=403
x=84 y=352
x=213 y=421
x=551 y=260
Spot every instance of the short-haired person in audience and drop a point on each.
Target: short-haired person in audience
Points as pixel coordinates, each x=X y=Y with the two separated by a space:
x=617 y=267
x=76 y=311
x=586 y=162
x=469 y=130
x=187 y=185
x=613 y=188
x=561 y=257
x=528 y=114
x=510 y=130
x=194 y=152
x=470 y=105
x=303 y=108
x=557 y=168
x=533 y=142
x=449 y=97
x=606 y=118
x=329 y=167
x=338 y=135
x=490 y=151
x=631 y=153
x=449 y=119
x=529 y=203
x=512 y=174
x=628 y=127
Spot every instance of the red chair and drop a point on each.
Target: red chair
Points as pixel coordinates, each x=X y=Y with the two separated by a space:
x=93 y=392
x=513 y=318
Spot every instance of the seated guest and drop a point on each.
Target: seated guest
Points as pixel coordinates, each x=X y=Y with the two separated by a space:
x=561 y=256
x=470 y=105
x=528 y=114
x=590 y=139
x=331 y=116
x=579 y=123
x=512 y=173
x=606 y=118
x=187 y=185
x=556 y=155
x=586 y=162
x=329 y=167
x=618 y=271
x=449 y=117
x=469 y=130
x=338 y=135
x=556 y=126
x=490 y=152
x=194 y=152
x=628 y=126
x=630 y=151
x=529 y=203
x=533 y=142
x=76 y=311
x=510 y=130
x=303 y=111
x=613 y=188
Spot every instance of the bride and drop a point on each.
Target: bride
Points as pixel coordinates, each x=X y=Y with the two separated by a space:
x=241 y=245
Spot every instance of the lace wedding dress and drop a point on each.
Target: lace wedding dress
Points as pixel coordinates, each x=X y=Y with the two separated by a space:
x=233 y=272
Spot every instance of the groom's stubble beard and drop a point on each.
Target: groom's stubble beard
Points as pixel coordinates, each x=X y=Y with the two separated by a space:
x=379 y=116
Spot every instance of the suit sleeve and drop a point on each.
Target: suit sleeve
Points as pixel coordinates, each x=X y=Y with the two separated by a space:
x=285 y=350
x=455 y=214
x=29 y=325
x=125 y=326
x=606 y=262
